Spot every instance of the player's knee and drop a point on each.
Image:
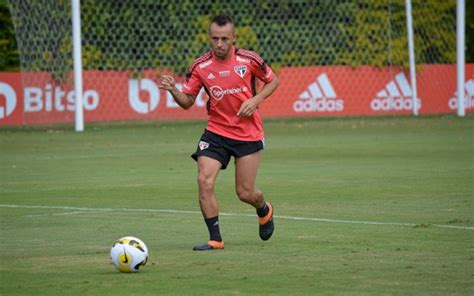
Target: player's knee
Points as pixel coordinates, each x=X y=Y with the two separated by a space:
x=205 y=183
x=245 y=194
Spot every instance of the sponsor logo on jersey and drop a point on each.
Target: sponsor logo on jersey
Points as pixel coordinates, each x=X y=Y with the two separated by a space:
x=240 y=70
x=224 y=73
x=218 y=93
x=242 y=60
x=319 y=97
x=211 y=76
x=205 y=64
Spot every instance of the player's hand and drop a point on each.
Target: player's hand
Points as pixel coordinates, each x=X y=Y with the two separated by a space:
x=167 y=83
x=247 y=108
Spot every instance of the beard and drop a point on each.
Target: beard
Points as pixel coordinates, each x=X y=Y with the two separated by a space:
x=221 y=53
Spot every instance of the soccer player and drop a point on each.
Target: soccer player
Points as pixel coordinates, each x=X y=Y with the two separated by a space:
x=228 y=75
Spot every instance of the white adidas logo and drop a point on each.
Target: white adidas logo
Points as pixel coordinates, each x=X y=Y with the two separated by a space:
x=397 y=95
x=319 y=97
x=468 y=96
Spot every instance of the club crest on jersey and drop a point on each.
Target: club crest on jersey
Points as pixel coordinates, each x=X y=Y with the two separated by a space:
x=203 y=145
x=240 y=70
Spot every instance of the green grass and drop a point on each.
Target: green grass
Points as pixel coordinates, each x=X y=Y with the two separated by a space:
x=415 y=171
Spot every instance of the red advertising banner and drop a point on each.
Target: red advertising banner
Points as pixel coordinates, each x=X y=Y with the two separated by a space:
x=303 y=92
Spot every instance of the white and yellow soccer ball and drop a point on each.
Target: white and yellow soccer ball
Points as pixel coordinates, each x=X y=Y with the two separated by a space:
x=128 y=254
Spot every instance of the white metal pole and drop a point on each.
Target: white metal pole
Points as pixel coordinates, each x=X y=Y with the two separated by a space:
x=77 y=57
x=460 y=31
x=411 y=55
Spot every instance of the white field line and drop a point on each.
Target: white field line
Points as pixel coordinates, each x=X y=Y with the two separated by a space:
x=81 y=210
x=56 y=214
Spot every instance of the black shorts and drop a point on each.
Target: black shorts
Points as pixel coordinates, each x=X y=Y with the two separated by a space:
x=221 y=148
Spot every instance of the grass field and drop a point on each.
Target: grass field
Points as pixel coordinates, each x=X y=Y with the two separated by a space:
x=363 y=207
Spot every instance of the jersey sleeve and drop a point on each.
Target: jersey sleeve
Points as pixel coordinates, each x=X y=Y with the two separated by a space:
x=192 y=84
x=262 y=71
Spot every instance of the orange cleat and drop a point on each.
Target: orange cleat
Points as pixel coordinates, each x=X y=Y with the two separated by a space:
x=211 y=245
x=266 y=226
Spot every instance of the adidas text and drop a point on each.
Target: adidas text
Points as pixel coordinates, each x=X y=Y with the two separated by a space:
x=468 y=103
x=390 y=104
x=318 y=105
x=468 y=96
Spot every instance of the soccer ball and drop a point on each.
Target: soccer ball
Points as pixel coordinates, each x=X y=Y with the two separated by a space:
x=128 y=254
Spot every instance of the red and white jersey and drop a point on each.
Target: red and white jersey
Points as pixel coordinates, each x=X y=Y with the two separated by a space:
x=229 y=83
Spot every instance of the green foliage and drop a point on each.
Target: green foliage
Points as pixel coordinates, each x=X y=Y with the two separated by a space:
x=435 y=21
x=9 y=56
x=470 y=31
x=43 y=33
x=119 y=35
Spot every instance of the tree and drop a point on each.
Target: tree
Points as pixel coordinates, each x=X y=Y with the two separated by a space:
x=147 y=34
x=9 y=56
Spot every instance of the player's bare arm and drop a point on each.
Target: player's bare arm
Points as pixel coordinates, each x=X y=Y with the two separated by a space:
x=185 y=101
x=249 y=106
